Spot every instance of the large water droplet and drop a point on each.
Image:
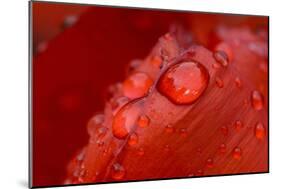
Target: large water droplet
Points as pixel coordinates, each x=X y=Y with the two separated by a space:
x=237 y=153
x=183 y=83
x=143 y=121
x=221 y=57
x=257 y=100
x=259 y=131
x=117 y=171
x=137 y=85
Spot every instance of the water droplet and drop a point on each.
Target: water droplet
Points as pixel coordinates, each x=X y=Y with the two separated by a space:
x=95 y=126
x=143 y=121
x=183 y=83
x=167 y=148
x=224 y=130
x=133 y=65
x=183 y=132
x=219 y=82
x=125 y=119
x=222 y=148
x=257 y=100
x=100 y=143
x=133 y=139
x=237 y=153
x=210 y=163
x=224 y=47
x=263 y=66
x=140 y=152
x=69 y=21
x=216 y=65
x=238 y=82
x=259 y=131
x=199 y=172
x=137 y=85
x=238 y=125
x=169 y=129
x=117 y=171
x=199 y=151
x=221 y=57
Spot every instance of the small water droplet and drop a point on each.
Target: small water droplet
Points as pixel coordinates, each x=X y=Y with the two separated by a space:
x=133 y=65
x=199 y=172
x=183 y=83
x=222 y=148
x=237 y=153
x=100 y=143
x=169 y=129
x=143 y=121
x=257 y=100
x=133 y=139
x=117 y=171
x=224 y=47
x=95 y=126
x=137 y=85
x=238 y=82
x=69 y=21
x=140 y=152
x=224 y=130
x=238 y=125
x=259 y=131
x=263 y=66
x=125 y=119
x=199 y=151
x=221 y=57
x=216 y=65
x=210 y=162
x=183 y=132
x=167 y=148
x=219 y=82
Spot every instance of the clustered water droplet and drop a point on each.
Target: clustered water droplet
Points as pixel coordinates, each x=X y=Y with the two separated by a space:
x=184 y=82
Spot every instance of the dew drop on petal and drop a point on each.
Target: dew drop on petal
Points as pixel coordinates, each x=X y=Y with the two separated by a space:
x=259 y=131
x=238 y=125
x=94 y=123
x=219 y=82
x=183 y=132
x=237 y=153
x=125 y=119
x=221 y=57
x=133 y=139
x=224 y=130
x=137 y=85
x=183 y=83
x=222 y=148
x=257 y=100
x=117 y=171
x=238 y=82
x=143 y=121
x=169 y=129
x=140 y=152
x=210 y=163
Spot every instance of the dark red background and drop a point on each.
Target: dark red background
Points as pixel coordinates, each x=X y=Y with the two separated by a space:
x=73 y=66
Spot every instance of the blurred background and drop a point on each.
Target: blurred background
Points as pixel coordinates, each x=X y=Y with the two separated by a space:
x=78 y=52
